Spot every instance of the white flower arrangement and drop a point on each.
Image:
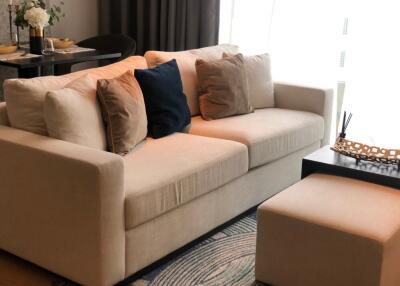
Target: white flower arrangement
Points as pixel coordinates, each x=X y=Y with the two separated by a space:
x=35 y=14
x=37 y=17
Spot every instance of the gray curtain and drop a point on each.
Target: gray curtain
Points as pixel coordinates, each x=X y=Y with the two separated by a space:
x=167 y=25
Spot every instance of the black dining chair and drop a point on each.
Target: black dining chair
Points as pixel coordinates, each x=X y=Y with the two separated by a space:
x=114 y=43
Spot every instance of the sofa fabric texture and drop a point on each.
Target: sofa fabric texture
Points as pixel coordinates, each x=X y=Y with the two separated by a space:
x=3 y=114
x=223 y=87
x=186 y=62
x=123 y=111
x=166 y=233
x=347 y=233
x=113 y=70
x=166 y=105
x=73 y=114
x=68 y=200
x=268 y=133
x=307 y=98
x=261 y=86
x=182 y=175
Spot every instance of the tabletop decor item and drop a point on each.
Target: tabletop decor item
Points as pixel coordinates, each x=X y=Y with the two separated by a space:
x=360 y=151
x=10 y=18
x=7 y=49
x=14 y=37
x=33 y=14
x=63 y=43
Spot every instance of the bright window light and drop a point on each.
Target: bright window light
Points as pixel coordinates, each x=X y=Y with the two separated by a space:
x=350 y=44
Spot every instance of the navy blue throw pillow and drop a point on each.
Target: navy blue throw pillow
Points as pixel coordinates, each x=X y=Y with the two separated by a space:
x=166 y=106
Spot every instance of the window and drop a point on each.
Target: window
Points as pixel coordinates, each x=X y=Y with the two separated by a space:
x=349 y=45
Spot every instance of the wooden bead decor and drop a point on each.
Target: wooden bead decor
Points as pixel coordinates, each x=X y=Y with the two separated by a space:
x=361 y=151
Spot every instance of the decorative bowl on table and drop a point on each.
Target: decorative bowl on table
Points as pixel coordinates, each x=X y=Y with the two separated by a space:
x=7 y=49
x=62 y=43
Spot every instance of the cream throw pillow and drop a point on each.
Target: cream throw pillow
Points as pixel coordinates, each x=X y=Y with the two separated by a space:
x=261 y=86
x=25 y=97
x=73 y=114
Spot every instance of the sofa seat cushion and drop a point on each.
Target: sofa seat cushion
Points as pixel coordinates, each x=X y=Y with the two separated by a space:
x=269 y=133
x=162 y=174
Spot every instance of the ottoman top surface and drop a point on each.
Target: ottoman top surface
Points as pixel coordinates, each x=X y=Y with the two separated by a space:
x=344 y=204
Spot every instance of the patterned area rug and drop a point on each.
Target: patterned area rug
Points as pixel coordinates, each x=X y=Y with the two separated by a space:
x=225 y=258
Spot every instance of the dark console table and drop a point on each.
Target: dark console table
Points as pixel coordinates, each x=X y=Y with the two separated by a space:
x=41 y=66
x=327 y=161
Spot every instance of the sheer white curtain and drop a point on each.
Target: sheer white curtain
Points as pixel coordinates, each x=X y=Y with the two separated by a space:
x=372 y=72
x=308 y=45
x=246 y=23
x=301 y=36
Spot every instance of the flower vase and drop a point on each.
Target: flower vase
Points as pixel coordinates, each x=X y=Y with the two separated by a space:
x=36 y=40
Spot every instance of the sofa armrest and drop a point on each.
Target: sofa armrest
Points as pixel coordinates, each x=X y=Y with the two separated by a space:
x=311 y=99
x=62 y=207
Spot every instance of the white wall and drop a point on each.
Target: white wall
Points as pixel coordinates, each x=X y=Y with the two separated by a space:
x=81 y=19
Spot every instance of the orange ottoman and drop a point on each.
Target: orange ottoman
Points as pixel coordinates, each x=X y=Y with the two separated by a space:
x=330 y=231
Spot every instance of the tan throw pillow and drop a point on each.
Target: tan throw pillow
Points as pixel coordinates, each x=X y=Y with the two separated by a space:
x=261 y=86
x=25 y=98
x=124 y=112
x=223 y=87
x=73 y=114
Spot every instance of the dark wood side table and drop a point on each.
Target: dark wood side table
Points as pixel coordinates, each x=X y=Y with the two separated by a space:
x=327 y=161
x=39 y=66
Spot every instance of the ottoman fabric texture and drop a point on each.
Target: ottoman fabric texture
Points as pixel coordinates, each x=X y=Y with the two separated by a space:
x=328 y=230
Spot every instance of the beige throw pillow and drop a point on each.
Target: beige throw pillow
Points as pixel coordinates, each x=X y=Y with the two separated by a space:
x=223 y=87
x=261 y=86
x=124 y=112
x=25 y=98
x=73 y=114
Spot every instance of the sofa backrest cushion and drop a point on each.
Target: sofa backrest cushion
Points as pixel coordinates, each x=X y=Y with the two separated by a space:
x=186 y=62
x=3 y=114
x=25 y=97
x=113 y=70
x=73 y=114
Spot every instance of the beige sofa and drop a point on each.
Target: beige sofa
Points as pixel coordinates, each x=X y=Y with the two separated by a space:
x=97 y=218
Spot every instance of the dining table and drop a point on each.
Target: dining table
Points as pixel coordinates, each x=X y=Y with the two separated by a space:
x=58 y=62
